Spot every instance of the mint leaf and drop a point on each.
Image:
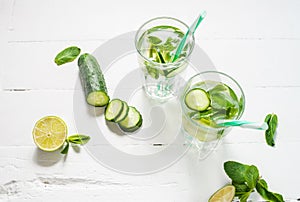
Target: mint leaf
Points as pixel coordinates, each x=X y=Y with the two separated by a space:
x=169 y=45
x=67 y=55
x=251 y=176
x=272 y=121
x=240 y=189
x=263 y=183
x=244 y=197
x=262 y=189
x=221 y=95
x=66 y=149
x=236 y=171
x=279 y=197
x=154 y=40
x=79 y=139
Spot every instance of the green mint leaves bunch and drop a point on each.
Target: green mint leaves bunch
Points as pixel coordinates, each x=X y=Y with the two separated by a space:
x=246 y=180
x=75 y=139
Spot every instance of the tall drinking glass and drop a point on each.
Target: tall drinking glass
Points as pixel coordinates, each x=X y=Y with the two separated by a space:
x=206 y=98
x=156 y=42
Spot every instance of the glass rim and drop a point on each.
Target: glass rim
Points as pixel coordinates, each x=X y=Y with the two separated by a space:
x=157 y=63
x=214 y=72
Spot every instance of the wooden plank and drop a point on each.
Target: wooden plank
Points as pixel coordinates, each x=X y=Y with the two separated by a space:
x=24 y=108
x=92 y=19
x=31 y=65
x=33 y=175
x=259 y=63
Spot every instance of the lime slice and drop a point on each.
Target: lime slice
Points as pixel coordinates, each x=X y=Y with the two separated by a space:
x=225 y=194
x=49 y=133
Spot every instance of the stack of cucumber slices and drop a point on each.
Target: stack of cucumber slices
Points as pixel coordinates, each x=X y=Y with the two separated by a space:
x=128 y=118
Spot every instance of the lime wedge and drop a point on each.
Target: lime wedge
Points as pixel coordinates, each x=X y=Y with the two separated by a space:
x=49 y=133
x=225 y=194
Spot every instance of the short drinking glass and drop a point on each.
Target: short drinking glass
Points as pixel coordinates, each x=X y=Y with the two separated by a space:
x=156 y=42
x=207 y=98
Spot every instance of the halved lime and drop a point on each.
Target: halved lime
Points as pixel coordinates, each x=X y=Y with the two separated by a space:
x=225 y=194
x=49 y=133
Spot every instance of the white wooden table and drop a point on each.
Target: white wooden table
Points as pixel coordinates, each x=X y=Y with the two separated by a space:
x=256 y=42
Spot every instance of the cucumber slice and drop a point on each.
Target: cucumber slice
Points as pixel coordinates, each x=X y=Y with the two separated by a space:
x=97 y=98
x=197 y=99
x=133 y=120
x=123 y=114
x=113 y=109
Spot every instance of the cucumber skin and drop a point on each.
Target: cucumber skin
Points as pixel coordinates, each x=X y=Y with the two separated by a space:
x=91 y=75
x=118 y=120
x=134 y=128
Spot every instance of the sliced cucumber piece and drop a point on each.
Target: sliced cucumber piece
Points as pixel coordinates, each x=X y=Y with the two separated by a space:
x=97 y=98
x=161 y=58
x=113 y=109
x=197 y=99
x=175 y=71
x=123 y=114
x=153 y=72
x=133 y=120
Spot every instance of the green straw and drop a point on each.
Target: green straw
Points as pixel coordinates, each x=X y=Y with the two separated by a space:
x=243 y=124
x=189 y=33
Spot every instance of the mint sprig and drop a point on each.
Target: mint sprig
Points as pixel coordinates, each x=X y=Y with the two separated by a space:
x=262 y=189
x=272 y=121
x=246 y=179
x=75 y=139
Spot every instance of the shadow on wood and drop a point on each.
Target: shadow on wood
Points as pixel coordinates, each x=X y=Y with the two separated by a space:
x=46 y=159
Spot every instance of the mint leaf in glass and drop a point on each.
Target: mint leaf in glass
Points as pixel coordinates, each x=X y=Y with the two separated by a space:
x=154 y=40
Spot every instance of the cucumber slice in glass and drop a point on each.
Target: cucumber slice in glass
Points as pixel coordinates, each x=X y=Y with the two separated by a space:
x=114 y=109
x=174 y=72
x=197 y=99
